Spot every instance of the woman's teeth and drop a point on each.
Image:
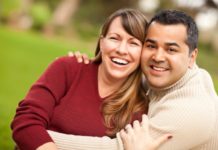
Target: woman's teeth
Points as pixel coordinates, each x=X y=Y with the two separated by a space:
x=119 y=61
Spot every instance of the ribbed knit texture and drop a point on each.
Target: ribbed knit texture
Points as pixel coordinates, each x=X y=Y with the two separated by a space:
x=64 y=99
x=72 y=142
x=188 y=109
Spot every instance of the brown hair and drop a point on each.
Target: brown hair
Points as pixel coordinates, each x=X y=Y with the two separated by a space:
x=119 y=107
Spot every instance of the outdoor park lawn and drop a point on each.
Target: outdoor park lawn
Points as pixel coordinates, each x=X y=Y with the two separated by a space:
x=24 y=56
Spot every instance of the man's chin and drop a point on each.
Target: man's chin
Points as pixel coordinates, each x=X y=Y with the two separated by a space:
x=157 y=86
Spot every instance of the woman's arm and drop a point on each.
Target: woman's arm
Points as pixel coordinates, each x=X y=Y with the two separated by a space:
x=34 y=112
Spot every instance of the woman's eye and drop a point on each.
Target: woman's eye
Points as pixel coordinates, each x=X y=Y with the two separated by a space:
x=113 y=38
x=135 y=43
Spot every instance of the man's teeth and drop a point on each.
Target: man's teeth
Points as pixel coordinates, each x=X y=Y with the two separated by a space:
x=119 y=61
x=159 y=69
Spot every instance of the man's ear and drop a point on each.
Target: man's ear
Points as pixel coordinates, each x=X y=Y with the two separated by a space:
x=193 y=57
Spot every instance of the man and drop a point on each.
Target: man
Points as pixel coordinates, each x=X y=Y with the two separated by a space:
x=182 y=98
x=183 y=101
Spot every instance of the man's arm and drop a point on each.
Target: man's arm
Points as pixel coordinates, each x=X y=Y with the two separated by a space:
x=48 y=146
x=67 y=141
x=138 y=139
x=188 y=113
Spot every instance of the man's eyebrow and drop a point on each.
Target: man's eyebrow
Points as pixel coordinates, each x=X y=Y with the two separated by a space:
x=150 y=40
x=172 y=44
x=167 y=43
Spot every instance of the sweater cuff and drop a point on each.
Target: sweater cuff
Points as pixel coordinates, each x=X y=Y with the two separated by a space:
x=32 y=137
x=67 y=141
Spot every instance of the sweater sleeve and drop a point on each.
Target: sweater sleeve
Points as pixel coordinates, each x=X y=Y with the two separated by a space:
x=187 y=113
x=187 y=125
x=67 y=142
x=190 y=126
x=33 y=113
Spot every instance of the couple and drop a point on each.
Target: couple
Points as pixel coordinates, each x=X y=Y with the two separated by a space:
x=101 y=98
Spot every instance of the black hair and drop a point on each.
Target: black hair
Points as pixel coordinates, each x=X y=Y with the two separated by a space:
x=171 y=17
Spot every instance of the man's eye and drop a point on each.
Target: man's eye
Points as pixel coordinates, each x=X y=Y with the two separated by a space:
x=172 y=50
x=150 y=46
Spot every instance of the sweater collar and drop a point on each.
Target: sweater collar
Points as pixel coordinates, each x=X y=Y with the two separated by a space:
x=183 y=80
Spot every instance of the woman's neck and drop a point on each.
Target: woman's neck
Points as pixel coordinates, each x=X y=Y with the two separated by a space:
x=106 y=83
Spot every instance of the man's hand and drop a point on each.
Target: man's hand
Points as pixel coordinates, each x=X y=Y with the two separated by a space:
x=138 y=137
x=48 y=146
x=80 y=57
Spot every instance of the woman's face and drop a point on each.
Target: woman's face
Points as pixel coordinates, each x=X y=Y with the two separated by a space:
x=120 y=52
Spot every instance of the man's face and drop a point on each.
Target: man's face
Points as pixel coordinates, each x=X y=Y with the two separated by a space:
x=165 y=55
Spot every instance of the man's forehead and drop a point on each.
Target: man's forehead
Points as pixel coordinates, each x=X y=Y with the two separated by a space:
x=167 y=33
x=159 y=26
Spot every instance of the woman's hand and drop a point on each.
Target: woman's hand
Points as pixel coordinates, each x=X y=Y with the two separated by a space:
x=138 y=137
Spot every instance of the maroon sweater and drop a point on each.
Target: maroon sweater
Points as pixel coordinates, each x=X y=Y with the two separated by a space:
x=64 y=99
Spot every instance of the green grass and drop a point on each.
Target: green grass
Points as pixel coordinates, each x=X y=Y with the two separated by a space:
x=207 y=59
x=24 y=56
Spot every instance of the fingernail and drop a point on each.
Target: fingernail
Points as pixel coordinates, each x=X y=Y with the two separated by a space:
x=86 y=62
x=80 y=60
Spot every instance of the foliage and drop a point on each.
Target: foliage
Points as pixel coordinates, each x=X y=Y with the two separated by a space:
x=40 y=14
x=208 y=59
x=92 y=13
x=24 y=56
x=7 y=7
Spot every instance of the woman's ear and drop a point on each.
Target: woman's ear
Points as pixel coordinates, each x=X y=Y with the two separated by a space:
x=101 y=40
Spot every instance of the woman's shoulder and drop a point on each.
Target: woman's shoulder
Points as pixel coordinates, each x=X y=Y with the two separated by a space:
x=71 y=65
x=67 y=60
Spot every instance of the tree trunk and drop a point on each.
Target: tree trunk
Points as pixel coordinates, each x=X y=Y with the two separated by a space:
x=64 y=12
x=21 y=19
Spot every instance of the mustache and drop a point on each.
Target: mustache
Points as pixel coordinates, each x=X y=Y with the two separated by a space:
x=159 y=64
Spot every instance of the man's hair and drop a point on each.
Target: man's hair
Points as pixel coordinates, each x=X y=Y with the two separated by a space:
x=172 y=17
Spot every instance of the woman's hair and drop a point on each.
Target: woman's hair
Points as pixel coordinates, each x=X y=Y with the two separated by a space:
x=119 y=107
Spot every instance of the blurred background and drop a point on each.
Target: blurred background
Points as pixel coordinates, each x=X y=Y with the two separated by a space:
x=34 y=32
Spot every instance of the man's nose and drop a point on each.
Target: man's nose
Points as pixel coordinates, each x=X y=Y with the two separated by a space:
x=159 y=55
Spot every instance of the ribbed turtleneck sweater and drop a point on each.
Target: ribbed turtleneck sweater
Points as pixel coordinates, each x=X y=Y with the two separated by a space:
x=188 y=110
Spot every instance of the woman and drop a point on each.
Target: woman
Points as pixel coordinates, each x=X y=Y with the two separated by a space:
x=135 y=137
x=94 y=100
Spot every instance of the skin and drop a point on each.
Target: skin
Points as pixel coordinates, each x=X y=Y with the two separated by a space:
x=165 y=57
x=48 y=146
x=132 y=136
x=121 y=54
x=120 y=57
